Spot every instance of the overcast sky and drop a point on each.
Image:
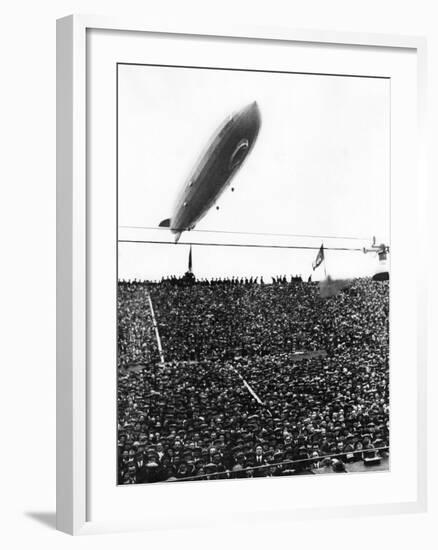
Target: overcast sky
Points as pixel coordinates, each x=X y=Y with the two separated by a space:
x=320 y=166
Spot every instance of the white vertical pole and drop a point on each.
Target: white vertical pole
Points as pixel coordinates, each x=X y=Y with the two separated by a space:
x=157 y=334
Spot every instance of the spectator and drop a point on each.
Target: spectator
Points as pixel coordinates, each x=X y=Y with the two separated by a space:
x=194 y=415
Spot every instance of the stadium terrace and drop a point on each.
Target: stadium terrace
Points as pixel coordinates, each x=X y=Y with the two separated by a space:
x=238 y=378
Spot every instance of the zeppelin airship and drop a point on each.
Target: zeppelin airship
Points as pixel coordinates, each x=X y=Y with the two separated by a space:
x=222 y=158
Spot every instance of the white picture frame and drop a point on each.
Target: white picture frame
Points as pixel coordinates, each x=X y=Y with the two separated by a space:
x=73 y=289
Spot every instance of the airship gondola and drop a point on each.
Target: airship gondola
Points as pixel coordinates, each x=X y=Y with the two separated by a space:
x=223 y=156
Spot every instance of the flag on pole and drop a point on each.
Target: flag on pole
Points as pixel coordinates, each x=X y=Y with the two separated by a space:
x=190 y=259
x=319 y=258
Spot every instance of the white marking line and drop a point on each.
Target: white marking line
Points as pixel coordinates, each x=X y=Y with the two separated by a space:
x=252 y=392
x=248 y=387
x=157 y=334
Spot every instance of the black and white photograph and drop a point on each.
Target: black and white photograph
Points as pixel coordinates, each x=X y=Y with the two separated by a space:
x=253 y=277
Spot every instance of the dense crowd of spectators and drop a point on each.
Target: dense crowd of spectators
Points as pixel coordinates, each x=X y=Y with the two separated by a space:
x=233 y=398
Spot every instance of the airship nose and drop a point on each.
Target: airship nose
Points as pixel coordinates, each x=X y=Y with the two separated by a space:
x=252 y=108
x=255 y=111
x=252 y=113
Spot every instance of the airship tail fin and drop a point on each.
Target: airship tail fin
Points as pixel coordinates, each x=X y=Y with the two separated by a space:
x=165 y=223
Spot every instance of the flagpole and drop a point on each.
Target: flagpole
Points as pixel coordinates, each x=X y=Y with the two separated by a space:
x=325 y=262
x=190 y=268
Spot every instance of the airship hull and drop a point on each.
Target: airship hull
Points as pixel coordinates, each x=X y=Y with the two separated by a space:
x=224 y=155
